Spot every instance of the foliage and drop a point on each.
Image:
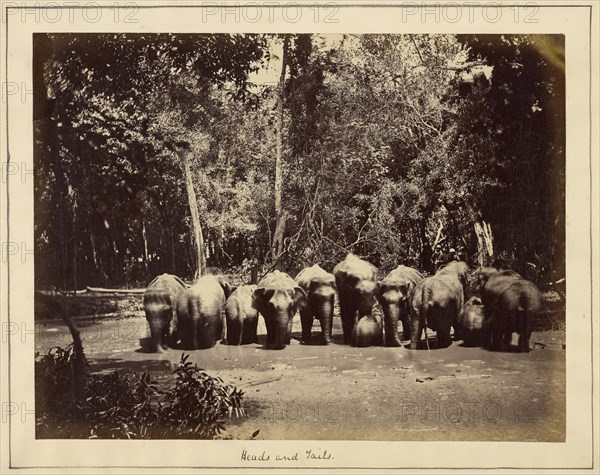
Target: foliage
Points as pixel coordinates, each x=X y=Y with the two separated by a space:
x=131 y=406
x=391 y=142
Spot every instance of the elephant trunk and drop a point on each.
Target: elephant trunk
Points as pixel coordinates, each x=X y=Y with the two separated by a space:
x=157 y=331
x=392 y=314
x=281 y=335
x=325 y=315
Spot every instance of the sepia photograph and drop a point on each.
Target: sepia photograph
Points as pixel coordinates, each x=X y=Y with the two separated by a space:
x=296 y=236
x=300 y=236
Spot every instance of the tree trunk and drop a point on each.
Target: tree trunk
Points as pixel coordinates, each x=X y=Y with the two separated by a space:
x=172 y=238
x=185 y=152
x=279 y=234
x=94 y=252
x=145 y=239
x=74 y=234
x=485 y=247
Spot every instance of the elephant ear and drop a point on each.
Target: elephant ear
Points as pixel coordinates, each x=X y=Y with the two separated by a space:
x=226 y=286
x=181 y=282
x=405 y=288
x=375 y=271
x=300 y=300
x=259 y=300
x=378 y=291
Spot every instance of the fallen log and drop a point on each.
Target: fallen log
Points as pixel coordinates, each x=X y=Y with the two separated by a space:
x=115 y=291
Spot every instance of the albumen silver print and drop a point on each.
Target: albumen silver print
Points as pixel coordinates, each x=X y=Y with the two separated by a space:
x=279 y=232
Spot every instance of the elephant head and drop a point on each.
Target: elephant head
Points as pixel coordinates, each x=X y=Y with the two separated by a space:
x=159 y=305
x=319 y=286
x=228 y=289
x=483 y=274
x=277 y=298
x=460 y=269
x=394 y=294
x=355 y=280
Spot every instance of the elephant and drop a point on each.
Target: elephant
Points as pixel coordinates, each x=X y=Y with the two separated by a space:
x=394 y=294
x=277 y=297
x=470 y=322
x=199 y=312
x=437 y=302
x=367 y=331
x=241 y=316
x=160 y=300
x=319 y=286
x=512 y=304
x=355 y=281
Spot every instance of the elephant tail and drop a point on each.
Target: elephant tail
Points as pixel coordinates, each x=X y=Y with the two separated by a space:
x=241 y=317
x=427 y=302
x=194 y=317
x=524 y=314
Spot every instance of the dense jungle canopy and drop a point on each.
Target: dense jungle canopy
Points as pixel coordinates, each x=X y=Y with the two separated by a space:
x=169 y=153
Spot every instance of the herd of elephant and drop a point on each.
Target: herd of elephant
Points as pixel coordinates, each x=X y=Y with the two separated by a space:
x=197 y=316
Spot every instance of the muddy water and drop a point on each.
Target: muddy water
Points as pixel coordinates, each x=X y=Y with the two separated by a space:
x=339 y=392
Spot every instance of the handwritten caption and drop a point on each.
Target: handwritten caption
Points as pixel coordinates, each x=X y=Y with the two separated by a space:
x=264 y=456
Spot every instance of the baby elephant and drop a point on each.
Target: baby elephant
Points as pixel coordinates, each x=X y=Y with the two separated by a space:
x=199 y=320
x=367 y=331
x=241 y=316
x=319 y=286
x=470 y=322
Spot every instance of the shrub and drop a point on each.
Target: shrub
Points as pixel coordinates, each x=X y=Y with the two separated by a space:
x=131 y=406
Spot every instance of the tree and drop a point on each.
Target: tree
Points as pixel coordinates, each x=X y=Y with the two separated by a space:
x=103 y=88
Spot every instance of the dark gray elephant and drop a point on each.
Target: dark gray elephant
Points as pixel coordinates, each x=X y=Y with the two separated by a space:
x=394 y=294
x=160 y=300
x=437 y=302
x=355 y=279
x=277 y=297
x=200 y=323
x=512 y=304
x=470 y=322
x=241 y=316
x=367 y=331
x=319 y=286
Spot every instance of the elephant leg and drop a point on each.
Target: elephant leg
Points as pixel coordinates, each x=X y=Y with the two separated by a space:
x=288 y=337
x=445 y=333
x=270 y=332
x=505 y=341
x=347 y=314
x=406 y=331
x=233 y=331
x=497 y=339
x=524 y=342
x=488 y=332
x=185 y=334
x=221 y=330
x=306 y=319
x=379 y=336
x=250 y=327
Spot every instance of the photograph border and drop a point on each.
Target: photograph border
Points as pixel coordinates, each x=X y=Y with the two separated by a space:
x=7 y=210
